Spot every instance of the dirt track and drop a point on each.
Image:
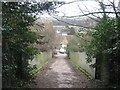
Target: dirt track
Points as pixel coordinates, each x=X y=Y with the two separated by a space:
x=58 y=73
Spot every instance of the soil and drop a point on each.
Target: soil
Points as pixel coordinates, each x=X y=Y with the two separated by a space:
x=59 y=73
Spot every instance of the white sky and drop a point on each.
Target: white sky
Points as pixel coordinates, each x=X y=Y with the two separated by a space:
x=73 y=9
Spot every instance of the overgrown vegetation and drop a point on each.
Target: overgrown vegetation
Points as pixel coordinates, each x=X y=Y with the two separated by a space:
x=85 y=72
x=79 y=42
x=35 y=71
x=72 y=45
x=105 y=48
x=18 y=40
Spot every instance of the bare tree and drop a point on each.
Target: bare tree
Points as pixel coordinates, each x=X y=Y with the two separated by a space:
x=51 y=39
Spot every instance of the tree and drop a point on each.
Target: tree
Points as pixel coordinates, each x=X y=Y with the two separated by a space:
x=71 y=31
x=73 y=45
x=104 y=47
x=18 y=40
x=105 y=44
x=50 y=37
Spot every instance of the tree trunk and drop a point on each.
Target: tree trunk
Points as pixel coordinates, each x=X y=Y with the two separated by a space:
x=105 y=70
x=98 y=67
x=20 y=66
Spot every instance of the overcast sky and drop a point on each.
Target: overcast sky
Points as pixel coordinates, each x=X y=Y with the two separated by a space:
x=73 y=9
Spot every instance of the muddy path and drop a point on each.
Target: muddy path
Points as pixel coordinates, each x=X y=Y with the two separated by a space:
x=58 y=73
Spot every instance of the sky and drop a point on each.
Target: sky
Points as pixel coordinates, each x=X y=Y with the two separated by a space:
x=75 y=8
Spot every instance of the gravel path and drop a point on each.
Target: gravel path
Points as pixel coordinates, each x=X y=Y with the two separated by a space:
x=58 y=73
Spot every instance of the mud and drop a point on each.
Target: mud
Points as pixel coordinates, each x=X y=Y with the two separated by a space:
x=58 y=73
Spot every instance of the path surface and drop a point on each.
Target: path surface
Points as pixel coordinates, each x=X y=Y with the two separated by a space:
x=60 y=74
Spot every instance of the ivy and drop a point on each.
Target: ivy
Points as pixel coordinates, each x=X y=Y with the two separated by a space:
x=104 y=46
x=18 y=40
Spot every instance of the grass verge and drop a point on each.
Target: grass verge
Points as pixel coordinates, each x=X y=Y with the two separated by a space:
x=84 y=71
x=35 y=71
